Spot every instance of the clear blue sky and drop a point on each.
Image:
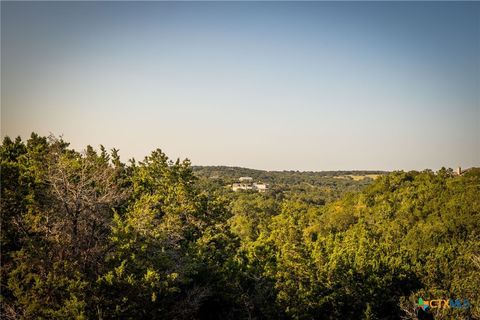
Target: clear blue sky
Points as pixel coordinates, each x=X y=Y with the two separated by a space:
x=269 y=85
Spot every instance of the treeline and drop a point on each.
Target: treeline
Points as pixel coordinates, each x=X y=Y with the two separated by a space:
x=86 y=236
x=315 y=187
x=279 y=177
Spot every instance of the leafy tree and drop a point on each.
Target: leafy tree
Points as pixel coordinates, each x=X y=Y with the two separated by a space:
x=85 y=236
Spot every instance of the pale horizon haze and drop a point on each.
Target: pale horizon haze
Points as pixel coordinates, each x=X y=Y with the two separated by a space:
x=305 y=86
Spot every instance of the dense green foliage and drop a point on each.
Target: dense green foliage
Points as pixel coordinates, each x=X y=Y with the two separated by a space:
x=315 y=187
x=85 y=236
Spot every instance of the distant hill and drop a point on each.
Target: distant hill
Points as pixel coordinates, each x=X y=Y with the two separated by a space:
x=230 y=174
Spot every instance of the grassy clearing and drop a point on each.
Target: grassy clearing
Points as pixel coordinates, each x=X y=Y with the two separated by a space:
x=359 y=177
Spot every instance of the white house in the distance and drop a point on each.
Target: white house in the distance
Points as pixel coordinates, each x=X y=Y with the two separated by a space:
x=246 y=183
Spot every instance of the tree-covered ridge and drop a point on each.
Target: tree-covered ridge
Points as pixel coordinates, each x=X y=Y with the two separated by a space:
x=85 y=236
x=315 y=187
x=288 y=179
x=286 y=176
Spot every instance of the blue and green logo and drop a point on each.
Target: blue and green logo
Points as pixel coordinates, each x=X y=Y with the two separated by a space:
x=423 y=305
x=443 y=304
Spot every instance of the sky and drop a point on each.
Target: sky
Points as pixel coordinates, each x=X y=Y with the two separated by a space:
x=305 y=86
